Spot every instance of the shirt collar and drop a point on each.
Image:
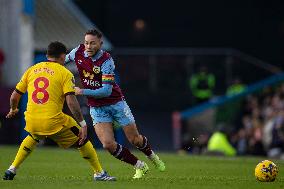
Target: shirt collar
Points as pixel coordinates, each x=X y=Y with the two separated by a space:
x=96 y=56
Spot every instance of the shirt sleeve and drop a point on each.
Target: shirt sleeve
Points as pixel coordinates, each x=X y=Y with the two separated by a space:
x=69 y=84
x=71 y=56
x=104 y=91
x=23 y=83
x=108 y=72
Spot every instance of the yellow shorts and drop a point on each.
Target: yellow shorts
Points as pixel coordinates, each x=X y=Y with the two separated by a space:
x=39 y=125
x=65 y=138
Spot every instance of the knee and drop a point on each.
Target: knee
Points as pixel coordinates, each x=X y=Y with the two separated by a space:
x=136 y=140
x=109 y=145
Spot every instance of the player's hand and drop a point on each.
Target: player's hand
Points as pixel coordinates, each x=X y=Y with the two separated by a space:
x=82 y=135
x=78 y=91
x=12 y=113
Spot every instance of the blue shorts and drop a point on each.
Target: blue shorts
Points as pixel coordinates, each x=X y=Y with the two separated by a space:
x=119 y=112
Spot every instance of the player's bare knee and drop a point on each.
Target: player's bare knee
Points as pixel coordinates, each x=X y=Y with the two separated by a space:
x=109 y=145
x=135 y=140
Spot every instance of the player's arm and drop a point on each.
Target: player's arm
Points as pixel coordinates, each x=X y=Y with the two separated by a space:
x=74 y=107
x=107 y=82
x=104 y=91
x=16 y=95
x=71 y=56
x=14 y=102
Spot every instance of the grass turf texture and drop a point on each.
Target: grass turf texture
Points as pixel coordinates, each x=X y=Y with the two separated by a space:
x=48 y=168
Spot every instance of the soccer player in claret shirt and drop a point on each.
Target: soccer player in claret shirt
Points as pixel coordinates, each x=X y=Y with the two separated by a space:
x=107 y=104
x=48 y=84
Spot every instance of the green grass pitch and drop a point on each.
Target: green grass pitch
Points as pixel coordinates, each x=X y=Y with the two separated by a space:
x=50 y=168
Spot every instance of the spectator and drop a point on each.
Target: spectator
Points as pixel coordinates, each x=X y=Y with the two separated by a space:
x=219 y=143
x=262 y=128
x=202 y=85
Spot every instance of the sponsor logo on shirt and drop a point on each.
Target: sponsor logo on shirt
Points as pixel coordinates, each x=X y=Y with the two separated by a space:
x=91 y=82
x=88 y=75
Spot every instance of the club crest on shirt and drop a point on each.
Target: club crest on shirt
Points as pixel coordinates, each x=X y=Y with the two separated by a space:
x=96 y=69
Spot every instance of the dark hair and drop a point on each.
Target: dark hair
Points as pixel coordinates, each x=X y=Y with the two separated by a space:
x=94 y=32
x=55 y=49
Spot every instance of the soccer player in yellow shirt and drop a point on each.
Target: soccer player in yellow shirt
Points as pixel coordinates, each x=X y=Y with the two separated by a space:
x=48 y=84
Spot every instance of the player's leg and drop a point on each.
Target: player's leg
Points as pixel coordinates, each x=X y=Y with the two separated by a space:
x=102 y=120
x=122 y=114
x=142 y=144
x=69 y=136
x=125 y=118
x=105 y=134
x=89 y=153
x=25 y=149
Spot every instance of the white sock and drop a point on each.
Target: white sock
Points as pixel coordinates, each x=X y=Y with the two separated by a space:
x=152 y=156
x=12 y=169
x=139 y=164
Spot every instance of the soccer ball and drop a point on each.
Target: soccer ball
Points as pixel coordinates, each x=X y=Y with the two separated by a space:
x=266 y=171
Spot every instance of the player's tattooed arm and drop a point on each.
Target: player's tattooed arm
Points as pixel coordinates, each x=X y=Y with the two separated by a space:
x=14 y=102
x=74 y=107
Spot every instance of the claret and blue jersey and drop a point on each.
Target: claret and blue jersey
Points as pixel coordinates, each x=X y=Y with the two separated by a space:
x=104 y=95
x=97 y=76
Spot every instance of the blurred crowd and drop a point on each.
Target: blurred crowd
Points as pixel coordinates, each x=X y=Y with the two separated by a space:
x=261 y=131
x=256 y=129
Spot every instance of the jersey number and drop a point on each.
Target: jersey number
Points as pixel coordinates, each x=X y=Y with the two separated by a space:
x=42 y=90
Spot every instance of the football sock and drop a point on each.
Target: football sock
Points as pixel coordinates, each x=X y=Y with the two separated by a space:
x=26 y=147
x=146 y=148
x=89 y=153
x=125 y=155
x=139 y=164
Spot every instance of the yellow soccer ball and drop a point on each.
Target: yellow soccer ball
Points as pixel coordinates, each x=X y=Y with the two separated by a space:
x=266 y=171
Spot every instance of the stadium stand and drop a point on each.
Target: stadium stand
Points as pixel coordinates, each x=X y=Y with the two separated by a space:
x=255 y=128
x=60 y=20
